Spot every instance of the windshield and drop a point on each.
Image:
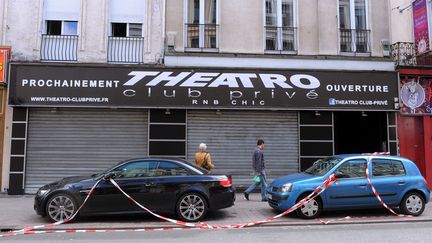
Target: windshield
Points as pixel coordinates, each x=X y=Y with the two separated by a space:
x=322 y=166
x=106 y=171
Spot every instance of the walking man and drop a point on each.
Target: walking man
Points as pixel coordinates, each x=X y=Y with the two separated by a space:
x=259 y=169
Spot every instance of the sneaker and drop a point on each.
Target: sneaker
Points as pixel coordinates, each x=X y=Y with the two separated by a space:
x=246 y=196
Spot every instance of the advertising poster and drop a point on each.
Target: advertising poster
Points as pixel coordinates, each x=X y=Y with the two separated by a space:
x=4 y=57
x=3 y=65
x=421 y=33
x=416 y=96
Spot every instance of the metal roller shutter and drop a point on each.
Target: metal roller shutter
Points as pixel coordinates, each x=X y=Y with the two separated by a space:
x=231 y=138
x=68 y=142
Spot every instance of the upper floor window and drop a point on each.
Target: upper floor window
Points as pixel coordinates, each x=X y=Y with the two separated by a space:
x=57 y=27
x=201 y=24
x=60 y=30
x=126 y=35
x=280 y=30
x=126 y=29
x=353 y=26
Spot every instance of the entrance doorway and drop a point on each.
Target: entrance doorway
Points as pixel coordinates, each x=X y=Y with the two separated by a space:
x=360 y=132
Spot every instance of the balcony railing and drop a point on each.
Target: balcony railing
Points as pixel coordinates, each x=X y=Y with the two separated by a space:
x=281 y=38
x=125 y=49
x=203 y=36
x=403 y=54
x=59 y=48
x=354 y=40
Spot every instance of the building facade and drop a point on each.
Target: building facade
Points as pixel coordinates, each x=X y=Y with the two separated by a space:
x=64 y=35
x=335 y=42
x=311 y=78
x=411 y=25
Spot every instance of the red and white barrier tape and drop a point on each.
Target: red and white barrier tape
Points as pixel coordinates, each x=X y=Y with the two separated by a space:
x=29 y=229
x=94 y=231
x=375 y=191
x=316 y=192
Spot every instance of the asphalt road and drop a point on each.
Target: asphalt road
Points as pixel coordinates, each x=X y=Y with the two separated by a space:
x=417 y=232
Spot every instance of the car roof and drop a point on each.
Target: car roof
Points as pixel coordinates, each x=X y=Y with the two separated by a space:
x=174 y=159
x=344 y=156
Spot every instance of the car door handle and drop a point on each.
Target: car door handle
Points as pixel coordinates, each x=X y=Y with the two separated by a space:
x=148 y=184
x=401 y=183
x=363 y=185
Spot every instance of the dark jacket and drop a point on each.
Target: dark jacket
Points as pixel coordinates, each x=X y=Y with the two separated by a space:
x=258 y=160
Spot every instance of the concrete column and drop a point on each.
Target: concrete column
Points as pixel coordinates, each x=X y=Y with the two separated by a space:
x=328 y=27
x=155 y=28
x=308 y=27
x=379 y=25
x=427 y=136
x=92 y=27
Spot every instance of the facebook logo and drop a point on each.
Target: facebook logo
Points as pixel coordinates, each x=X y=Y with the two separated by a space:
x=332 y=101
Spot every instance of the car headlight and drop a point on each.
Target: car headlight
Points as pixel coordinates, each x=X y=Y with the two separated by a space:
x=286 y=188
x=42 y=192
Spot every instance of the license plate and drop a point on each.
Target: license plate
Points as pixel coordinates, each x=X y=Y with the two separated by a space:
x=269 y=196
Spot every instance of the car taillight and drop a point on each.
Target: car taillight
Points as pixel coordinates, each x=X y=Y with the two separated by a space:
x=226 y=182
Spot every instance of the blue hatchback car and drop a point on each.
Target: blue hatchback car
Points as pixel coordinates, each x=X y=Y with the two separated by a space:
x=397 y=180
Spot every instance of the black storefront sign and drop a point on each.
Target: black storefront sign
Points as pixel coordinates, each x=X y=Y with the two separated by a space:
x=147 y=87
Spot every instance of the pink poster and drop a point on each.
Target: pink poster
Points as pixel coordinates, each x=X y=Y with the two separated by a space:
x=421 y=33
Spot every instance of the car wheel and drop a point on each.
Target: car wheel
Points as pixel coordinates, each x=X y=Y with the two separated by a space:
x=192 y=207
x=60 y=207
x=310 y=209
x=412 y=204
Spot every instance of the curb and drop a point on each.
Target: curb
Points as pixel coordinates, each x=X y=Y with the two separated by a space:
x=356 y=221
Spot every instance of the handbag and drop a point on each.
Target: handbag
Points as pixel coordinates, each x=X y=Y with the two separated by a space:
x=256 y=178
x=205 y=164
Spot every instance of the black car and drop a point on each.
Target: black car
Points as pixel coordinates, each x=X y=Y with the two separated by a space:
x=163 y=185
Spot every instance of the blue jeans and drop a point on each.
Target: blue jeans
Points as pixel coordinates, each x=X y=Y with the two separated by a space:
x=263 y=182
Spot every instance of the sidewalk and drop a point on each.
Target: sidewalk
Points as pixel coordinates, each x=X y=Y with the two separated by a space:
x=17 y=212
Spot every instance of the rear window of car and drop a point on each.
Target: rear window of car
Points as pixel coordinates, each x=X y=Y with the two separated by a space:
x=387 y=167
x=170 y=169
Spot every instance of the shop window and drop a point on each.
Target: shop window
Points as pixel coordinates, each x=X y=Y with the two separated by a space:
x=167 y=133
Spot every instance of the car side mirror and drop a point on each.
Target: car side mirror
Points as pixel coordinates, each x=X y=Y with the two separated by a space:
x=316 y=162
x=109 y=175
x=339 y=174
